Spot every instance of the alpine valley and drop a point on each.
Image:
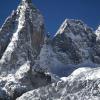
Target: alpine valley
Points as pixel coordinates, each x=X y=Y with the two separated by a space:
x=36 y=66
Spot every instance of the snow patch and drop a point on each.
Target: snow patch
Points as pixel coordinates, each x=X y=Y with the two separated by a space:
x=97 y=32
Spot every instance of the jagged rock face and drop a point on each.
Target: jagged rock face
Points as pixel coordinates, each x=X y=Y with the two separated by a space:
x=7 y=31
x=14 y=85
x=97 y=32
x=21 y=37
x=74 y=45
x=76 y=40
x=83 y=84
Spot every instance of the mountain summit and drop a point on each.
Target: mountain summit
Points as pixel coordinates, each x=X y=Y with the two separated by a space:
x=76 y=40
x=97 y=32
x=28 y=1
x=22 y=39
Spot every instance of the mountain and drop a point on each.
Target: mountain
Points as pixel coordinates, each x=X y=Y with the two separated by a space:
x=21 y=36
x=82 y=84
x=37 y=66
x=74 y=45
x=21 y=39
x=75 y=39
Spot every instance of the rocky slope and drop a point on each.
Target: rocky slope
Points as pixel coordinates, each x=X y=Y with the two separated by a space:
x=31 y=59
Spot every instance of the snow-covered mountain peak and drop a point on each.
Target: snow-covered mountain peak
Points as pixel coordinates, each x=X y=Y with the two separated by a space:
x=21 y=35
x=21 y=40
x=97 y=32
x=75 y=39
x=28 y=2
x=27 y=5
x=71 y=23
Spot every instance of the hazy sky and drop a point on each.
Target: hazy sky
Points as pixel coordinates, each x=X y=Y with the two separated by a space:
x=55 y=11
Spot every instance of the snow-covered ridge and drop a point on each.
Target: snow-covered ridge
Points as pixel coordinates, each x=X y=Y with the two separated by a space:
x=72 y=23
x=83 y=84
x=97 y=32
x=83 y=74
x=15 y=37
x=62 y=28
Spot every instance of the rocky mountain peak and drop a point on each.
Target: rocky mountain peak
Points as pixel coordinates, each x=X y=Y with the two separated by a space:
x=27 y=1
x=97 y=32
x=72 y=26
x=21 y=36
x=21 y=40
x=75 y=39
x=26 y=6
x=78 y=31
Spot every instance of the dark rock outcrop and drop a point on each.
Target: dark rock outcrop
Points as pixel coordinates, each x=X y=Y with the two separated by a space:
x=76 y=40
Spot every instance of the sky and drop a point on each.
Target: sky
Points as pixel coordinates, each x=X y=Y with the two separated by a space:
x=55 y=11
